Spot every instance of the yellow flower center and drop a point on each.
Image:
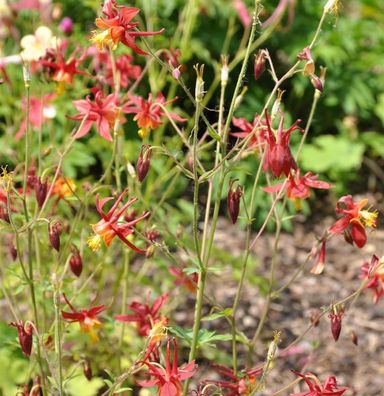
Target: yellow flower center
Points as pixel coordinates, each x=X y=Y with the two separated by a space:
x=103 y=39
x=368 y=218
x=94 y=242
x=143 y=132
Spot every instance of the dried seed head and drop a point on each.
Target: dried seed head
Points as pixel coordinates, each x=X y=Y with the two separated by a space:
x=199 y=87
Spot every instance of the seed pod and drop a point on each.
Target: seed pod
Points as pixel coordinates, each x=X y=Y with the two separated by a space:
x=259 y=64
x=233 y=201
x=143 y=162
x=76 y=262
x=317 y=83
x=41 y=189
x=54 y=232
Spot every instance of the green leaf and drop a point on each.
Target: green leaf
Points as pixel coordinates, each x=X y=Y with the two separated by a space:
x=222 y=314
x=330 y=152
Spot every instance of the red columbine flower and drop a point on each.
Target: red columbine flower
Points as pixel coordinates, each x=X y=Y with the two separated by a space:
x=87 y=318
x=375 y=276
x=104 y=111
x=317 y=389
x=62 y=70
x=246 y=128
x=299 y=187
x=149 y=112
x=25 y=336
x=237 y=385
x=169 y=379
x=144 y=315
x=278 y=157
x=127 y=71
x=354 y=220
x=117 y=27
x=182 y=278
x=110 y=226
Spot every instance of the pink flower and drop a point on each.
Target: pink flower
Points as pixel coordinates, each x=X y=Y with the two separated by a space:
x=110 y=225
x=375 y=278
x=148 y=112
x=144 y=315
x=102 y=110
x=259 y=136
x=317 y=389
x=39 y=111
x=127 y=71
x=299 y=187
x=237 y=385
x=117 y=27
x=169 y=379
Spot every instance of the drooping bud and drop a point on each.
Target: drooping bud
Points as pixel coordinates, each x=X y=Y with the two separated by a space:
x=54 y=231
x=199 y=87
x=25 y=336
x=336 y=317
x=152 y=235
x=317 y=83
x=354 y=338
x=41 y=189
x=318 y=268
x=176 y=73
x=259 y=64
x=143 y=162
x=87 y=369
x=233 y=201
x=75 y=261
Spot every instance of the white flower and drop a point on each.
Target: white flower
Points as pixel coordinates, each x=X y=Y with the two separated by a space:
x=36 y=45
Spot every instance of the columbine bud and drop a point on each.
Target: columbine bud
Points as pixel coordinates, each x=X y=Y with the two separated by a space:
x=336 y=317
x=143 y=162
x=259 y=64
x=25 y=336
x=318 y=268
x=199 y=87
x=54 y=232
x=233 y=201
x=66 y=25
x=87 y=369
x=75 y=262
x=41 y=189
x=276 y=104
x=176 y=73
x=224 y=70
x=317 y=83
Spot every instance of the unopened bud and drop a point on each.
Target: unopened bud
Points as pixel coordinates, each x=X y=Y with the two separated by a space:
x=224 y=70
x=41 y=189
x=176 y=73
x=199 y=87
x=336 y=317
x=276 y=104
x=354 y=338
x=25 y=336
x=143 y=162
x=259 y=64
x=317 y=83
x=87 y=369
x=76 y=262
x=233 y=201
x=66 y=25
x=54 y=232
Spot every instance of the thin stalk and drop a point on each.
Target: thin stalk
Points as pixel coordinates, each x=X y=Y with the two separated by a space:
x=58 y=337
